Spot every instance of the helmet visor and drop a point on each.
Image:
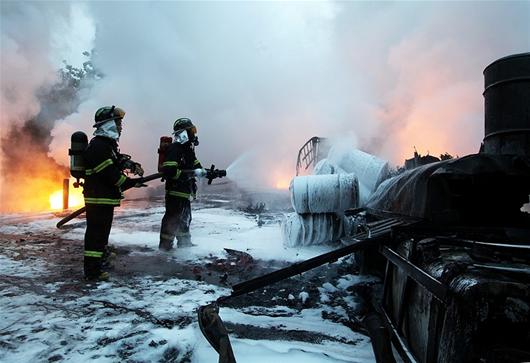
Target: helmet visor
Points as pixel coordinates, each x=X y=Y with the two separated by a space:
x=180 y=136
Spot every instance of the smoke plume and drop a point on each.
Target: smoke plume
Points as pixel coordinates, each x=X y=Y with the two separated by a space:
x=267 y=76
x=35 y=93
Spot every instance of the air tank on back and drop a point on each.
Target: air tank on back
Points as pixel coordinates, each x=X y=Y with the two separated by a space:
x=507 y=111
x=79 y=143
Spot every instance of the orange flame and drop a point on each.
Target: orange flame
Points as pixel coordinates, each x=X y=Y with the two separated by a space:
x=281 y=177
x=283 y=183
x=28 y=177
x=75 y=198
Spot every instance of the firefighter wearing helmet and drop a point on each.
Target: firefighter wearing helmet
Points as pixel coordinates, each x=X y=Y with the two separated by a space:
x=180 y=187
x=104 y=180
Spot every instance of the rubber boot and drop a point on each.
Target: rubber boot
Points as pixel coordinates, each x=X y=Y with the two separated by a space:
x=92 y=267
x=165 y=245
x=107 y=261
x=184 y=241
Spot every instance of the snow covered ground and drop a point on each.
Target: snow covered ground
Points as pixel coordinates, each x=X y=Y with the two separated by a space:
x=147 y=311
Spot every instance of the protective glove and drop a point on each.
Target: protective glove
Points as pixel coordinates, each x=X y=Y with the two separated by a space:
x=126 y=163
x=133 y=183
x=137 y=169
x=200 y=173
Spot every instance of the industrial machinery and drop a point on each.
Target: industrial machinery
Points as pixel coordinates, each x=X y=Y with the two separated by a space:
x=450 y=241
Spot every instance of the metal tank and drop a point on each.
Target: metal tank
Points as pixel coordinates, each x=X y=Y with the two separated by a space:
x=331 y=193
x=507 y=110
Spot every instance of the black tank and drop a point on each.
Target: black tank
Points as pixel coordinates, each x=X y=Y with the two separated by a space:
x=507 y=110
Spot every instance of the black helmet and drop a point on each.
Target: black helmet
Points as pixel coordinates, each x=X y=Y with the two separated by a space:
x=107 y=113
x=184 y=124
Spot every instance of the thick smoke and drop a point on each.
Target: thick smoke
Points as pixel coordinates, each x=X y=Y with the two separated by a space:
x=247 y=74
x=267 y=76
x=389 y=76
x=426 y=71
x=35 y=94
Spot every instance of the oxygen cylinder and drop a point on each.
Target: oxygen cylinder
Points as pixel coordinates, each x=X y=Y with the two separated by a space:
x=165 y=141
x=79 y=143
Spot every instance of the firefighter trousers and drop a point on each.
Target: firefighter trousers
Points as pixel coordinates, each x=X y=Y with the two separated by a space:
x=176 y=223
x=98 y=224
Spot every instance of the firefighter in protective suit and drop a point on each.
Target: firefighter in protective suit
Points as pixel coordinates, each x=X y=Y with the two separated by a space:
x=104 y=180
x=180 y=186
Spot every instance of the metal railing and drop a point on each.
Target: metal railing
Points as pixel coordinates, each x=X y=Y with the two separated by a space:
x=309 y=154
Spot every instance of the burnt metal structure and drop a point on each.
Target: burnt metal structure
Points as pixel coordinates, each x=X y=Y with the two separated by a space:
x=419 y=160
x=314 y=150
x=456 y=284
x=449 y=240
x=454 y=293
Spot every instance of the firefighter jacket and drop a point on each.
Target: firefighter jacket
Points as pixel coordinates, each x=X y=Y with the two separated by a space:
x=103 y=175
x=180 y=157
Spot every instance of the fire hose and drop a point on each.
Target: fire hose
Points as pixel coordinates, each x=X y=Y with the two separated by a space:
x=211 y=174
x=82 y=210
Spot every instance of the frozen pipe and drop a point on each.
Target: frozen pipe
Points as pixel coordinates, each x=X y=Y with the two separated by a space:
x=311 y=229
x=332 y=193
x=369 y=169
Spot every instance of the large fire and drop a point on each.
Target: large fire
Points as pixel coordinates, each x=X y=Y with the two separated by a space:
x=75 y=198
x=29 y=176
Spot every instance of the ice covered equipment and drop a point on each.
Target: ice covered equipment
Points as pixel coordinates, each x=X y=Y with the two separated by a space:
x=325 y=166
x=331 y=193
x=311 y=229
x=369 y=169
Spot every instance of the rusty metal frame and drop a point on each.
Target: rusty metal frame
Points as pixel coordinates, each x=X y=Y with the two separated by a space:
x=436 y=312
x=433 y=286
x=438 y=291
x=400 y=345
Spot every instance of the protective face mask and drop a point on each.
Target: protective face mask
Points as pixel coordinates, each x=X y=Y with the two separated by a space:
x=181 y=137
x=108 y=129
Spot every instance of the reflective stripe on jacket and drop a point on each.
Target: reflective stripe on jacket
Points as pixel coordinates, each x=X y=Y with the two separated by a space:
x=103 y=175
x=180 y=157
